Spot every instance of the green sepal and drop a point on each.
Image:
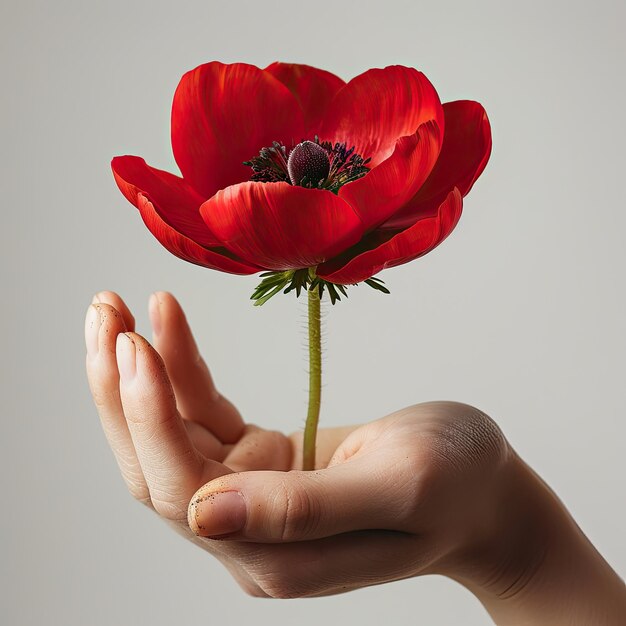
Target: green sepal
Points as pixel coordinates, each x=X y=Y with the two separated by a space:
x=378 y=284
x=302 y=280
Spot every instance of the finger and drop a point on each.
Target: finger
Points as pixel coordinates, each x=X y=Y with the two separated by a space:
x=114 y=300
x=102 y=325
x=205 y=441
x=342 y=563
x=362 y=493
x=196 y=395
x=260 y=449
x=172 y=466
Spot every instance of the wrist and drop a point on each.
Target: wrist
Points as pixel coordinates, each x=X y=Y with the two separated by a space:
x=529 y=563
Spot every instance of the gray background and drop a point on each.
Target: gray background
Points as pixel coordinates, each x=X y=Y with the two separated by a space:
x=521 y=312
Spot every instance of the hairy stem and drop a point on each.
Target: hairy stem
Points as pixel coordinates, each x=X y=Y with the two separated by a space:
x=315 y=380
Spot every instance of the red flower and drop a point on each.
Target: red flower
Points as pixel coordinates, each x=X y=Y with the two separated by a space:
x=378 y=180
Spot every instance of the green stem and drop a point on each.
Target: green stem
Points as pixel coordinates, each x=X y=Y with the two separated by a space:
x=315 y=380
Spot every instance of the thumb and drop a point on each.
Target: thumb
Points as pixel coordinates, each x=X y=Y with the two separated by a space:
x=265 y=506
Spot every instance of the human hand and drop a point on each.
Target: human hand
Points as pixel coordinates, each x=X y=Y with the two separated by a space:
x=434 y=488
x=169 y=428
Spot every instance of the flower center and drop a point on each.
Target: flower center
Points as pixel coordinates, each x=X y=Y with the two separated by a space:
x=308 y=163
x=312 y=164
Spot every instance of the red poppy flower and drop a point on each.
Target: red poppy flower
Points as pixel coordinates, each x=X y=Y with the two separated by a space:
x=289 y=167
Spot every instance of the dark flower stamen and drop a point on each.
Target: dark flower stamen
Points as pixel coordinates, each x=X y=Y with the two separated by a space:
x=312 y=164
x=345 y=164
x=271 y=164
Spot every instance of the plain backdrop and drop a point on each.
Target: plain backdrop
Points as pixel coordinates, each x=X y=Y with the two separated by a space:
x=520 y=312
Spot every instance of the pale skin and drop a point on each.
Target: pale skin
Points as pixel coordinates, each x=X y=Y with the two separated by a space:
x=431 y=489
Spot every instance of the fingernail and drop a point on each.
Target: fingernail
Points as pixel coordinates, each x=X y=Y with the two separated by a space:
x=126 y=356
x=219 y=514
x=154 y=309
x=92 y=328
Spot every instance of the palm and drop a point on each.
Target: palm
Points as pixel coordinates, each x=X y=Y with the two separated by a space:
x=261 y=449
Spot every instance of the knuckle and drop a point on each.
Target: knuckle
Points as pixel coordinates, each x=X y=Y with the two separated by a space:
x=170 y=510
x=478 y=435
x=457 y=446
x=170 y=501
x=110 y=316
x=469 y=439
x=300 y=512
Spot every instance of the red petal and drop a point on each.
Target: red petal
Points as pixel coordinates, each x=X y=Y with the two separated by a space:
x=388 y=249
x=313 y=89
x=281 y=227
x=390 y=185
x=223 y=115
x=174 y=199
x=378 y=107
x=464 y=155
x=186 y=249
